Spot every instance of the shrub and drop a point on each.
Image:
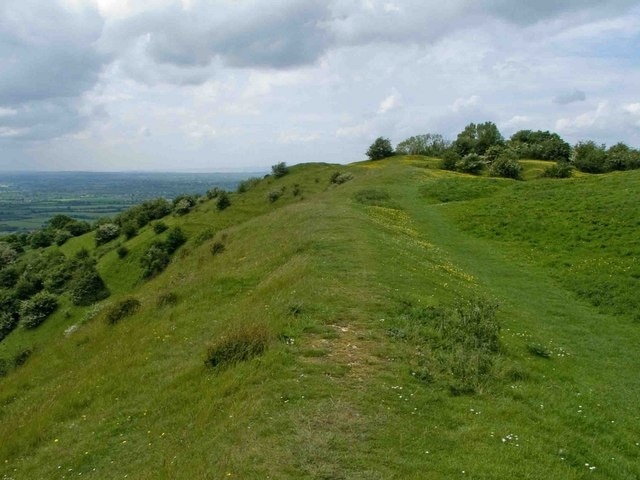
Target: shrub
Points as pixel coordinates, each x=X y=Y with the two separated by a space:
x=155 y=260
x=223 y=201
x=129 y=230
x=175 y=239
x=538 y=350
x=159 y=227
x=558 y=170
x=242 y=343
x=122 y=251
x=87 y=288
x=379 y=149
x=35 y=311
x=274 y=195
x=214 y=192
x=589 y=157
x=166 y=300
x=41 y=239
x=77 y=228
x=8 y=323
x=217 y=248
x=506 y=167
x=339 y=178
x=122 y=309
x=183 y=205
x=8 y=277
x=106 y=232
x=203 y=236
x=297 y=190
x=8 y=255
x=61 y=237
x=21 y=357
x=248 y=184
x=279 y=169
x=471 y=163
x=449 y=160
x=4 y=367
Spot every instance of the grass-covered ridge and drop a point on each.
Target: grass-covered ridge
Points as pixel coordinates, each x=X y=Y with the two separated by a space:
x=403 y=323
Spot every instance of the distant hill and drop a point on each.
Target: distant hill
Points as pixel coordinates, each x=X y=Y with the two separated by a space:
x=385 y=319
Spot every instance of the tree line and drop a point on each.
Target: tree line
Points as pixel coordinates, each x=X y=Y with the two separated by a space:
x=479 y=146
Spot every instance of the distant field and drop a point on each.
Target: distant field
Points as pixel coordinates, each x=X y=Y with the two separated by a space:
x=27 y=200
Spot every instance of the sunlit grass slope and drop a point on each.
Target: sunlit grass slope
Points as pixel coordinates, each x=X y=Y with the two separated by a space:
x=343 y=277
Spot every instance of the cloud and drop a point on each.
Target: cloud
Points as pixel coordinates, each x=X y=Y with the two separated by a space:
x=462 y=103
x=390 y=103
x=50 y=60
x=570 y=97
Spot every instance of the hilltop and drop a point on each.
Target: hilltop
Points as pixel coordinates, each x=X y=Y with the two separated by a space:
x=385 y=319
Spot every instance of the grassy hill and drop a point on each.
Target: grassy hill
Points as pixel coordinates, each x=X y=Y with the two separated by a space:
x=407 y=323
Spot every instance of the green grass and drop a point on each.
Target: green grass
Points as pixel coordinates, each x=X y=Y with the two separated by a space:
x=336 y=391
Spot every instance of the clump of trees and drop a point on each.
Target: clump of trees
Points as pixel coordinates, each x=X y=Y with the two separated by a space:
x=279 y=169
x=481 y=146
x=380 y=148
x=156 y=258
x=429 y=145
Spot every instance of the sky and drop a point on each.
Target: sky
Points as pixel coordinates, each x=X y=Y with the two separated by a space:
x=204 y=85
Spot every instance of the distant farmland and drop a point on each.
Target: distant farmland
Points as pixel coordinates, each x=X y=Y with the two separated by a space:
x=27 y=200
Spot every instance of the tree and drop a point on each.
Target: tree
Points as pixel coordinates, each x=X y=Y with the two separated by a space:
x=430 y=144
x=539 y=145
x=223 y=201
x=380 y=149
x=477 y=138
x=589 y=157
x=279 y=169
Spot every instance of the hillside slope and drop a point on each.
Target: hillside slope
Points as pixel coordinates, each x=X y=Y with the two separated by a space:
x=363 y=289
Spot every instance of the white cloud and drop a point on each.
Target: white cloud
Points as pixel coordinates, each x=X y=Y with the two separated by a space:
x=465 y=102
x=390 y=103
x=632 y=108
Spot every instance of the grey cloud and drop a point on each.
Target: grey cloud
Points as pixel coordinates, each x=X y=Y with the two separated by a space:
x=570 y=97
x=48 y=60
x=280 y=34
x=528 y=12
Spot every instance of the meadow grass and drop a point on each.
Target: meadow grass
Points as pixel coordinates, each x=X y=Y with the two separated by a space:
x=336 y=392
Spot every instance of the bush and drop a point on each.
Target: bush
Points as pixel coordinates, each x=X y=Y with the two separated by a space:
x=339 y=178
x=506 y=167
x=155 y=260
x=274 y=195
x=240 y=344
x=41 y=239
x=61 y=237
x=88 y=288
x=214 y=192
x=279 y=170
x=223 y=201
x=129 y=230
x=77 y=228
x=159 y=227
x=450 y=158
x=217 y=248
x=21 y=357
x=183 y=205
x=175 y=239
x=122 y=309
x=35 y=311
x=166 y=300
x=379 y=149
x=471 y=163
x=4 y=367
x=122 y=251
x=106 y=232
x=203 y=236
x=558 y=170
x=248 y=184
x=8 y=323
x=589 y=157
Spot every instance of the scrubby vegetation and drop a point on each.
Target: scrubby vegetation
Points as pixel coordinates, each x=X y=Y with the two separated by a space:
x=242 y=343
x=121 y=310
